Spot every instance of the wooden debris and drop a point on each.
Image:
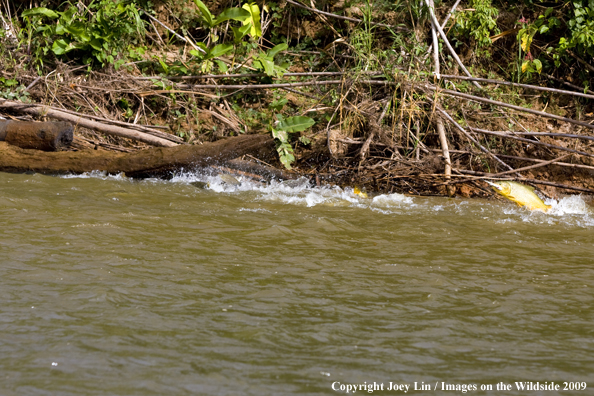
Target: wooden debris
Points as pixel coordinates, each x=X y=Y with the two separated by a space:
x=46 y=136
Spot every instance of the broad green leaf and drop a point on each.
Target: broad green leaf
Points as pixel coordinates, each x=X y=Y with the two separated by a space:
x=285 y=154
x=266 y=64
x=296 y=124
x=237 y=14
x=196 y=53
x=96 y=44
x=222 y=66
x=253 y=20
x=277 y=49
x=60 y=47
x=40 y=11
x=538 y=65
x=240 y=32
x=526 y=41
x=525 y=66
x=281 y=135
x=206 y=14
x=219 y=50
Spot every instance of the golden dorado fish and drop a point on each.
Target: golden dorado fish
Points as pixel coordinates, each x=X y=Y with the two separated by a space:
x=520 y=194
x=360 y=192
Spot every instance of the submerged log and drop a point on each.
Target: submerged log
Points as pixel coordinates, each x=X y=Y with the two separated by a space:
x=153 y=162
x=46 y=136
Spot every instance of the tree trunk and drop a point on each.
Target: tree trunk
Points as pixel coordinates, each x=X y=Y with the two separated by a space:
x=46 y=136
x=153 y=162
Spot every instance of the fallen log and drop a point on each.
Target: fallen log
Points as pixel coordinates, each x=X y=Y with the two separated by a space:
x=46 y=136
x=152 y=162
x=39 y=110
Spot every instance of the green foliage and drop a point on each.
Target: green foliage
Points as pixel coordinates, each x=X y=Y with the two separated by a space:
x=265 y=61
x=281 y=134
x=237 y=14
x=98 y=33
x=573 y=33
x=581 y=31
x=478 y=21
x=11 y=90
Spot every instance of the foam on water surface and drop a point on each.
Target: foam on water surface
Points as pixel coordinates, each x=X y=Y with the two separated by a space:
x=571 y=210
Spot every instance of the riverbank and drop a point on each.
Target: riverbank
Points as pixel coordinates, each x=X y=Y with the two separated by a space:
x=381 y=119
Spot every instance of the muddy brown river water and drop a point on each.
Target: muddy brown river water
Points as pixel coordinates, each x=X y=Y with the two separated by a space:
x=116 y=287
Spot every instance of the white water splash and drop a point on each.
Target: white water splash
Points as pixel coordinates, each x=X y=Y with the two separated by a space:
x=573 y=204
x=97 y=175
x=570 y=209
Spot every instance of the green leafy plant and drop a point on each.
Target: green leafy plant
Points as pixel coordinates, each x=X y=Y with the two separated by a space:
x=11 y=89
x=98 y=33
x=265 y=61
x=281 y=134
x=478 y=21
x=238 y=14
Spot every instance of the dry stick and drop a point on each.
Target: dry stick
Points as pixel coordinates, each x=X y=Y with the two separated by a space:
x=535 y=142
x=343 y=17
x=533 y=181
x=545 y=163
x=447 y=43
x=250 y=75
x=443 y=141
x=443 y=24
x=185 y=40
x=483 y=149
x=579 y=166
x=374 y=129
x=502 y=104
x=535 y=87
x=553 y=134
x=141 y=128
x=262 y=86
x=568 y=84
x=435 y=46
x=40 y=110
x=583 y=62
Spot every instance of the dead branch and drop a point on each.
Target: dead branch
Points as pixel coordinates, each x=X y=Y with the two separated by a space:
x=39 y=110
x=403 y=29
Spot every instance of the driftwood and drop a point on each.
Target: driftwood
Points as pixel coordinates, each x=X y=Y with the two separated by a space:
x=39 y=110
x=46 y=136
x=153 y=162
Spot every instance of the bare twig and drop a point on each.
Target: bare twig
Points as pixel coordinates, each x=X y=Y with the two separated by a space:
x=343 y=17
x=541 y=164
x=503 y=104
x=447 y=43
x=535 y=87
x=565 y=164
x=483 y=149
x=40 y=110
x=536 y=142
